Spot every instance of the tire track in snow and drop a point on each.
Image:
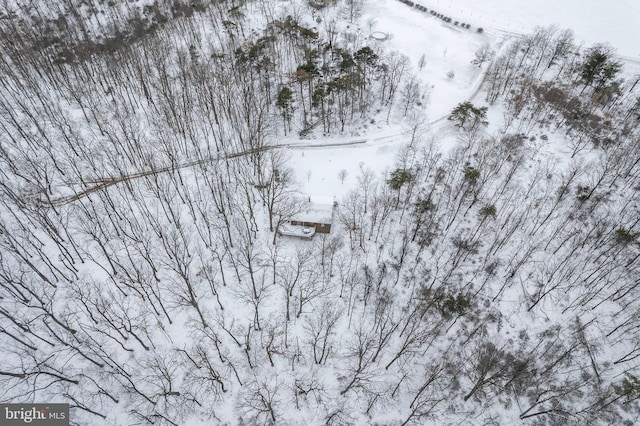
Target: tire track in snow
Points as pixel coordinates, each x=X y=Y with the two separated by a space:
x=110 y=181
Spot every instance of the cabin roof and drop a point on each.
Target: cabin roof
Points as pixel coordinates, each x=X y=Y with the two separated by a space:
x=316 y=210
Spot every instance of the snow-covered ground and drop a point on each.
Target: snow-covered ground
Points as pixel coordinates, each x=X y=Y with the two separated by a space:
x=500 y=261
x=449 y=48
x=616 y=22
x=413 y=33
x=445 y=47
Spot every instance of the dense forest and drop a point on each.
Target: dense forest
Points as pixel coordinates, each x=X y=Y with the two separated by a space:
x=142 y=186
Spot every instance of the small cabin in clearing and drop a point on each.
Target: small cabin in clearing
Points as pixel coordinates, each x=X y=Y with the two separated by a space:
x=315 y=218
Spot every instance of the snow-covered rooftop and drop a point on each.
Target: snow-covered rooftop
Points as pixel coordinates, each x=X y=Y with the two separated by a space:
x=297 y=231
x=317 y=209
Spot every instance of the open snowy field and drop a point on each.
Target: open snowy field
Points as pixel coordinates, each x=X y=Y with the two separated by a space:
x=445 y=48
x=616 y=22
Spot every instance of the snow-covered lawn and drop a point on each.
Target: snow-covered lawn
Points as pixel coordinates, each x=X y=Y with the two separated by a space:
x=616 y=22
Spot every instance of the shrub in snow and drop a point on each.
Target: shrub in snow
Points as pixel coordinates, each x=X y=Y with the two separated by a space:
x=471 y=174
x=466 y=115
x=630 y=387
x=399 y=177
x=488 y=211
x=624 y=236
x=451 y=306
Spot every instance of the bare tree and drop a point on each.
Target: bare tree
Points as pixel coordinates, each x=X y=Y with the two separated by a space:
x=276 y=184
x=320 y=330
x=342 y=175
x=261 y=401
x=483 y=54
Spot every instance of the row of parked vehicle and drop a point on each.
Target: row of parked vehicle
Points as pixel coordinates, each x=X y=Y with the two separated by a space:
x=438 y=15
